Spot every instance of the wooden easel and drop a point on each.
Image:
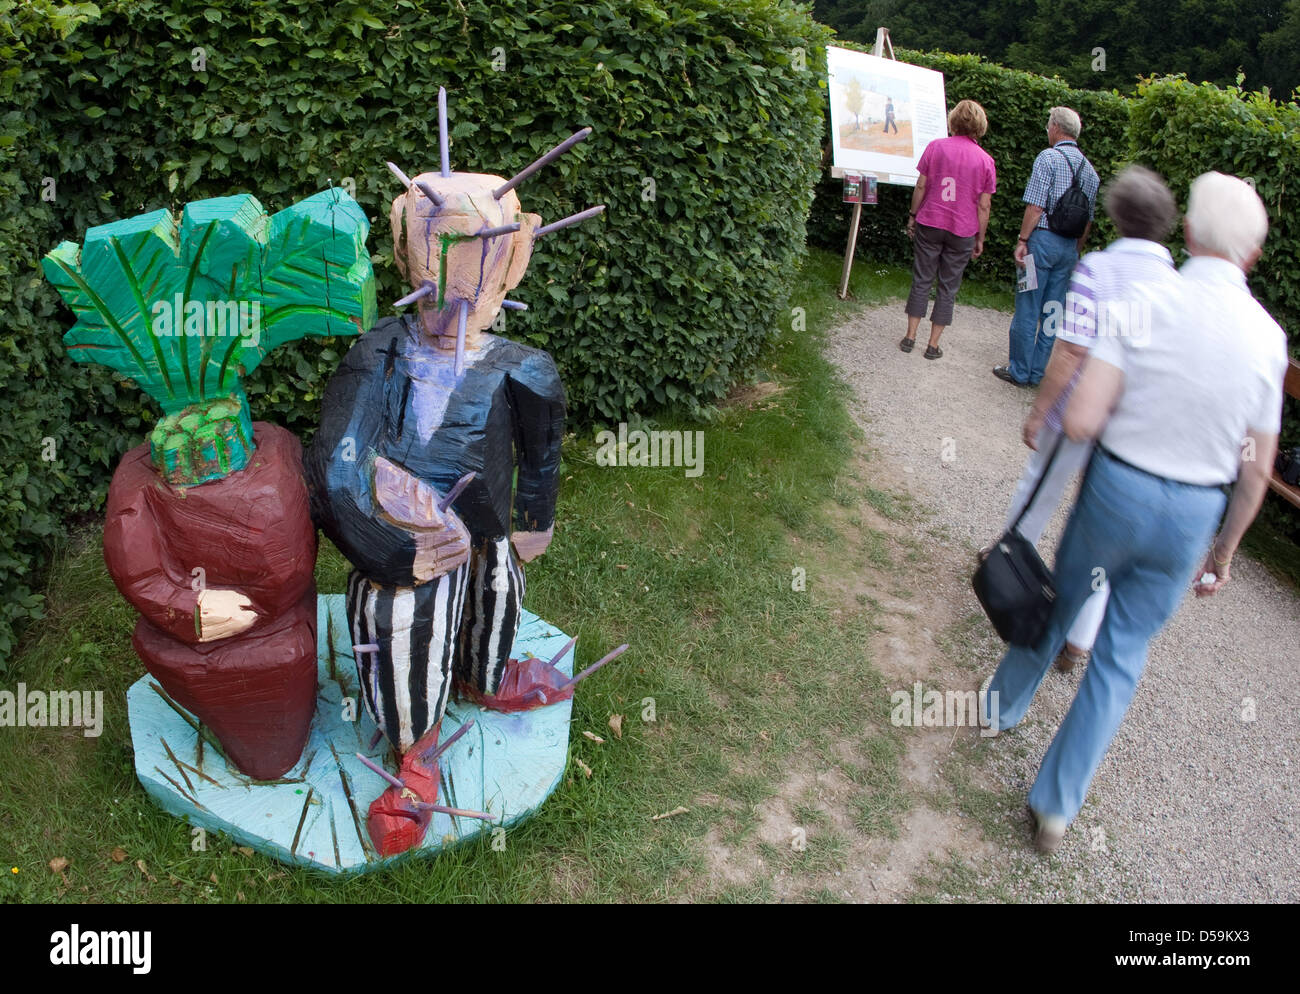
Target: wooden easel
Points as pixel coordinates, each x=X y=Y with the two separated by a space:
x=884 y=48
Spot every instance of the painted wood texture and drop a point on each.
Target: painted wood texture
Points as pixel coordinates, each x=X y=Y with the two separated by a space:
x=250 y=533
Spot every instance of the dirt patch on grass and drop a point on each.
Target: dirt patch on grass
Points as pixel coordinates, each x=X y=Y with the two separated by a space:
x=860 y=822
x=752 y=396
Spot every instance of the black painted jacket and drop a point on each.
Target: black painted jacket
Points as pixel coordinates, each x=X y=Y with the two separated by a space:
x=506 y=411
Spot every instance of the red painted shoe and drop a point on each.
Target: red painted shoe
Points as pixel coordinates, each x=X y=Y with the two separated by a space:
x=533 y=682
x=397 y=819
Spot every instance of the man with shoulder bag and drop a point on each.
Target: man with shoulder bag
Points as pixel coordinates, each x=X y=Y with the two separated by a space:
x=1060 y=199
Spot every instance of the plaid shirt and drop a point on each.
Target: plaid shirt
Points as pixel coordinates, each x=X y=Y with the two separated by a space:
x=1051 y=178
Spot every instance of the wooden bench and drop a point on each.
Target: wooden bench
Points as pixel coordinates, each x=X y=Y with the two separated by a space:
x=1292 y=387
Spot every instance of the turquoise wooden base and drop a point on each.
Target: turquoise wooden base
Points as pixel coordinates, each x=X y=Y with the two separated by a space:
x=506 y=765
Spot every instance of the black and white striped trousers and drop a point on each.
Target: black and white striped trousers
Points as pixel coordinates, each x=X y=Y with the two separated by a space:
x=464 y=621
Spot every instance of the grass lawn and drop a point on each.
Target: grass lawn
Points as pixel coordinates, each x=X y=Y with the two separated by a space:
x=745 y=676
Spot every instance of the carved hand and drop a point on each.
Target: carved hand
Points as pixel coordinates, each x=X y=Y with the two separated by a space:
x=530 y=545
x=223 y=613
x=441 y=540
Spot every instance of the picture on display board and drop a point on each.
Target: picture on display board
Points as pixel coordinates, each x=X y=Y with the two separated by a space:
x=881 y=111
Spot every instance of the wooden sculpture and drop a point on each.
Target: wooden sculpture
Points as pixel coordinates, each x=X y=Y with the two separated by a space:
x=208 y=532
x=412 y=473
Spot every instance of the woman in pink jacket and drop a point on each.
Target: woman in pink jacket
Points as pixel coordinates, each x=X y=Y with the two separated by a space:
x=949 y=216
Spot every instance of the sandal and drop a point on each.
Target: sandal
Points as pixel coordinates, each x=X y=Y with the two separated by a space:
x=933 y=352
x=906 y=344
x=1068 y=660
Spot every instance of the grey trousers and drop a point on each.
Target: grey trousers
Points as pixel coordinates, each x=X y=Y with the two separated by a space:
x=940 y=254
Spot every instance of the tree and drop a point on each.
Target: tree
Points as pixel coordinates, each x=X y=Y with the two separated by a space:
x=1095 y=44
x=1279 y=48
x=853 y=101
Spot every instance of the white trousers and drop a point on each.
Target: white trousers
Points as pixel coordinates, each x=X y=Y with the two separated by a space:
x=1071 y=458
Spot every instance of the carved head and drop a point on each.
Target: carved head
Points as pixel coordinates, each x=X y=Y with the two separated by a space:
x=439 y=245
x=462 y=240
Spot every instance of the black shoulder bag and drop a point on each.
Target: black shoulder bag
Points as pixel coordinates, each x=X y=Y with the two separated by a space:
x=1013 y=585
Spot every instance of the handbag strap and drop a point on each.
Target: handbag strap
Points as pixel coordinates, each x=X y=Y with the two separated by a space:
x=1015 y=526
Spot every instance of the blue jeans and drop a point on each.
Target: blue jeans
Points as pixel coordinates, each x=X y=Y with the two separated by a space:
x=1041 y=312
x=1149 y=535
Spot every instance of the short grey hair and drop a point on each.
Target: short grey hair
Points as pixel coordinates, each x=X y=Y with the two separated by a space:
x=1226 y=216
x=1066 y=120
x=1140 y=204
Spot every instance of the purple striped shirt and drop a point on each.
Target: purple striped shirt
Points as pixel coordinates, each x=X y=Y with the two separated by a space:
x=1110 y=295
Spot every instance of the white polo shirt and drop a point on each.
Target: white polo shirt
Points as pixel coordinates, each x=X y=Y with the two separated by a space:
x=1211 y=368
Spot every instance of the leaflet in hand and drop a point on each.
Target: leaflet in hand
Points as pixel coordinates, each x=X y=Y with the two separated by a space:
x=1028 y=279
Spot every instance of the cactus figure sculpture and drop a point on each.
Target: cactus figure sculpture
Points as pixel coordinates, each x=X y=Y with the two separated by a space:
x=208 y=532
x=436 y=469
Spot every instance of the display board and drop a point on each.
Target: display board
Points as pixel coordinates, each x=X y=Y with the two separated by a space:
x=883 y=114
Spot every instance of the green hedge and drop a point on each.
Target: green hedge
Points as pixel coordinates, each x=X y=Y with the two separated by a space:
x=1177 y=128
x=1182 y=130
x=664 y=301
x=1017 y=104
x=86 y=415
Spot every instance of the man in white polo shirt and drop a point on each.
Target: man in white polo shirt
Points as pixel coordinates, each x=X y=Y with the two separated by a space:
x=1170 y=412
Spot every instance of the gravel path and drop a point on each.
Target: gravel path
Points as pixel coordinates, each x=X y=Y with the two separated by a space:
x=1194 y=802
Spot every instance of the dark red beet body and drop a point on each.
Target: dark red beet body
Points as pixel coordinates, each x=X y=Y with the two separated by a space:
x=251 y=532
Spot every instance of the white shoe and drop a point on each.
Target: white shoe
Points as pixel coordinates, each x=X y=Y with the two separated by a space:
x=1049 y=830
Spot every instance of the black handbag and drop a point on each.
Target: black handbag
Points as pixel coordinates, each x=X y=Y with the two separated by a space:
x=1287 y=465
x=1013 y=584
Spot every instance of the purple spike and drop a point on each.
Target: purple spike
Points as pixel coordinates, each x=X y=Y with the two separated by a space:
x=564 y=651
x=429 y=192
x=460 y=337
x=450 y=741
x=454 y=812
x=514 y=305
x=374 y=739
x=415 y=295
x=406 y=180
x=597 y=665
x=537 y=164
x=539 y=693
x=442 y=131
x=564 y=222
x=382 y=772
x=452 y=494
x=504 y=229
x=366 y=647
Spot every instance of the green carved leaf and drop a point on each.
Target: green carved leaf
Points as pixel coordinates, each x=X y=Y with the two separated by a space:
x=186 y=308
